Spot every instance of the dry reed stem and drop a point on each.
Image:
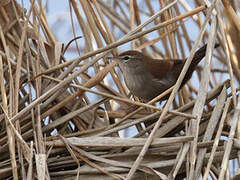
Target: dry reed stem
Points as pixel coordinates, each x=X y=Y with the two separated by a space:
x=230 y=141
x=198 y=108
x=210 y=129
x=44 y=92
x=217 y=138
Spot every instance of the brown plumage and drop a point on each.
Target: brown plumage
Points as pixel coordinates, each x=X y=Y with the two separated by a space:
x=146 y=77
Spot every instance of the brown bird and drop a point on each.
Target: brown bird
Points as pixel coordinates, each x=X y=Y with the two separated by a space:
x=146 y=78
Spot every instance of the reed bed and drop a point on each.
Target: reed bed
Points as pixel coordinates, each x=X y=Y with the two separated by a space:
x=74 y=118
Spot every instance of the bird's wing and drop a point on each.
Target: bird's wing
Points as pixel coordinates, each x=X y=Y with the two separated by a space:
x=175 y=65
x=168 y=65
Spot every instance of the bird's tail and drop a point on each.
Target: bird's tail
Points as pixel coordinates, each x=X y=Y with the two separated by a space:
x=200 y=54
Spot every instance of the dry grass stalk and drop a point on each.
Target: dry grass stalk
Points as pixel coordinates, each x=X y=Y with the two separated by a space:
x=44 y=92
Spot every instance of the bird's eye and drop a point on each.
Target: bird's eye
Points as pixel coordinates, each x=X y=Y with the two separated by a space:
x=126 y=58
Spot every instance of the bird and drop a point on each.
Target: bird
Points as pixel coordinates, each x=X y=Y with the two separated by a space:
x=147 y=77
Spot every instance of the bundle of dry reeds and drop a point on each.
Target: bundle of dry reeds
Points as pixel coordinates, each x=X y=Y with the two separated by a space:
x=64 y=118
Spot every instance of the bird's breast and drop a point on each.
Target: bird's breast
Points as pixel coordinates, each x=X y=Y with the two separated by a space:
x=145 y=86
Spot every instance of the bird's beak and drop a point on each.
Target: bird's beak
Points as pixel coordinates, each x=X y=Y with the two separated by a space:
x=114 y=58
x=114 y=62
x=110 y=58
